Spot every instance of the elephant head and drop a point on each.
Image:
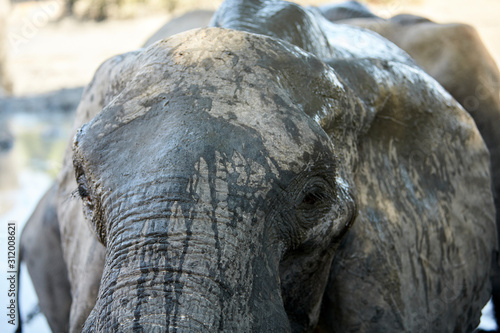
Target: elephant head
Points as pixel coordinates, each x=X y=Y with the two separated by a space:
x=226 y=168
x=219 y=200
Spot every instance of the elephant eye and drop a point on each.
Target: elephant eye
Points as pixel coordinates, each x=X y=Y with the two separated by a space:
x=82 y=191
x=315 y=201
x=312 y=198
x=315 y=195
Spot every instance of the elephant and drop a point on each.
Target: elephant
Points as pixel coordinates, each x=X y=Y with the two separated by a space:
x=268 y=174
x=41 y=237
x=456 y=57
x=346 y=10
x=472 y=78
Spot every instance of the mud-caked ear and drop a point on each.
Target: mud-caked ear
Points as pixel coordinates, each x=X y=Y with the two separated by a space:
x=422 y=243
x=80 y=247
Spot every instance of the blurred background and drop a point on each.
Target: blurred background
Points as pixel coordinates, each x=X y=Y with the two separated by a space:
x=49 y=50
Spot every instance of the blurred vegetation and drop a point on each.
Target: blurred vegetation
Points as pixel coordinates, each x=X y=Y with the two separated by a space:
x=103 y=9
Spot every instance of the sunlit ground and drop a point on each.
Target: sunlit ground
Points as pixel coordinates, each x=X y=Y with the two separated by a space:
x=46 y=56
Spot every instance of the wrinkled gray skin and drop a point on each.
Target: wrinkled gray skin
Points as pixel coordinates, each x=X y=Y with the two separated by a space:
x=456 y=57
x=221 y=170
x=346 y=10
x=41 y=237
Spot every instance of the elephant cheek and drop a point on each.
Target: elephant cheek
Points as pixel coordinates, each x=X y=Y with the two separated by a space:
x=303 y=281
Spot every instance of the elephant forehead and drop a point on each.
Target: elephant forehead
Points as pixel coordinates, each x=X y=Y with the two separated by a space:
x=195 y=90
x=224 y=63
x=174 y=139
x=193 y=48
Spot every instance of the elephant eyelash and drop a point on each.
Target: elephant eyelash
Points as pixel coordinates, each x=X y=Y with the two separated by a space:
x=82 y=191
x=312 y=198
x=315 y=195
x=75 y=194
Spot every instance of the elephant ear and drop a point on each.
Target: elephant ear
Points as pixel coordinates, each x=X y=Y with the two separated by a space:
x=418 y=256
x=83 y=254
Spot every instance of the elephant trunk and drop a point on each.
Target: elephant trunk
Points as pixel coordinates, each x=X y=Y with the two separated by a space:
x=185 y=273
x=157 y=299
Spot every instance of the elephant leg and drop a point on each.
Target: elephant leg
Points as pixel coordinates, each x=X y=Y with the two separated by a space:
x=41 y=251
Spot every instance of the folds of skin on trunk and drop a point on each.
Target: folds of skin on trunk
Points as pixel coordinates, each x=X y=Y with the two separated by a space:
x=186 y=267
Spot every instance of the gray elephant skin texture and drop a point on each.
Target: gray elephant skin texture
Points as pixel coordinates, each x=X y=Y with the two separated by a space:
x=273 y=173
